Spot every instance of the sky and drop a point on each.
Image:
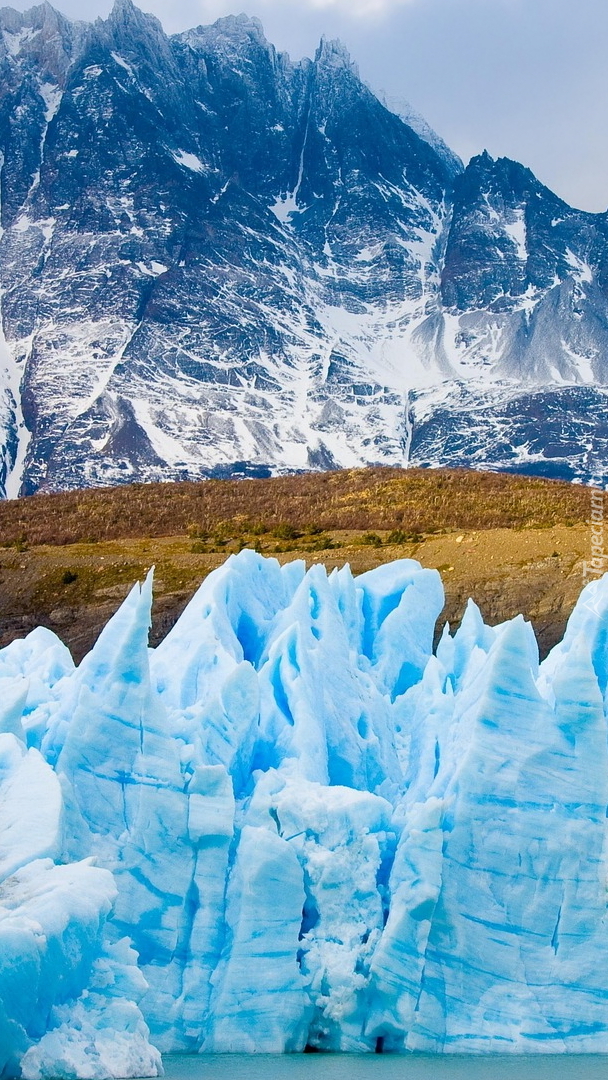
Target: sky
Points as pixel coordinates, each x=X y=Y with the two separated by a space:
x=525 y=79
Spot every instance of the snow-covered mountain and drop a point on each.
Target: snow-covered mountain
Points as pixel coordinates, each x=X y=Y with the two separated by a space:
x=216 y=261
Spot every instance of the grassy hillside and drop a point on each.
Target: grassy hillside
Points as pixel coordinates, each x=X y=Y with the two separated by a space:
x=514 y=544
x=416 y=500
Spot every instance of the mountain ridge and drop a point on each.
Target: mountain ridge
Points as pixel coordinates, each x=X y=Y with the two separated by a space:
x=218 y=261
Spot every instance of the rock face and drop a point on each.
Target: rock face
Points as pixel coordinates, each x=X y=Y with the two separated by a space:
x=307 y=828
x=216 y=261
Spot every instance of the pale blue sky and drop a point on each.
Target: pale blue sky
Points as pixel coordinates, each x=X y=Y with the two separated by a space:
x=526 y=79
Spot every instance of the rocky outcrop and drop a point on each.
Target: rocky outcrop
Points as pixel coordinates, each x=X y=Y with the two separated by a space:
x=217 y=261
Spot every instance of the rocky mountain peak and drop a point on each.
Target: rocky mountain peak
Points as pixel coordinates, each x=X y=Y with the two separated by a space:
x=216 y=261
x=240 y=25
x=30 y=31
x=230 y=34
x=128 y=23
x=333 y=54
x=36 y=17
x=39 y=41
x=126 y=14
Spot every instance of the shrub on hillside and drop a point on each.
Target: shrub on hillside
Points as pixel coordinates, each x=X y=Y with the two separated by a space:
x=286 y=531
x=370 y=539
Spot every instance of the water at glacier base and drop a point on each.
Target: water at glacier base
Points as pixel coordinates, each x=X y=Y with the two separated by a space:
x=385 y=1067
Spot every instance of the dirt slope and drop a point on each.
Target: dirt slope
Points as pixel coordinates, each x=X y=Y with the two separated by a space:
x=74 y=588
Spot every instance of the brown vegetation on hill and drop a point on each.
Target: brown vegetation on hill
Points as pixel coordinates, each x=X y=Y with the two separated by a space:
x=413 y=501
x=513 y=544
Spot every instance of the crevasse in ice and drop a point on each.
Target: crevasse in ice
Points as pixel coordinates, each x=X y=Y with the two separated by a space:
x=292 y=824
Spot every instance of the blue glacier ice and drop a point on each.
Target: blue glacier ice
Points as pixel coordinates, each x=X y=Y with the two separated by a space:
x=293 y=823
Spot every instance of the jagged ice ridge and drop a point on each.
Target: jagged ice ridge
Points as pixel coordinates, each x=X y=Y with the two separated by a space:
x=292 y=824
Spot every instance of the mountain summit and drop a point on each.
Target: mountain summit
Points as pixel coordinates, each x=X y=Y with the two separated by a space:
x=217 y=261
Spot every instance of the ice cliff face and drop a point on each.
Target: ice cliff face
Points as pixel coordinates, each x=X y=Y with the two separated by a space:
x=291 y=824
x=217 y=261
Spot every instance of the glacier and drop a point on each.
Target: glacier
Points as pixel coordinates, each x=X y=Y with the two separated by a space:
x=297 y=824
